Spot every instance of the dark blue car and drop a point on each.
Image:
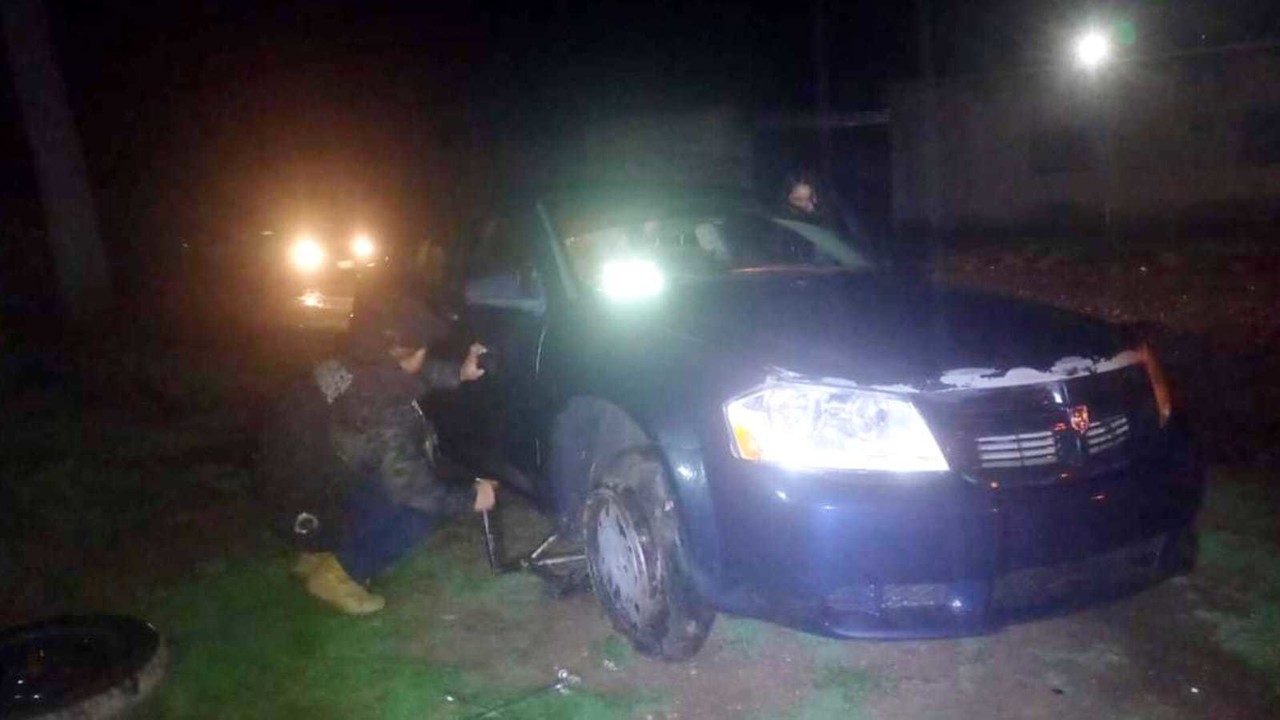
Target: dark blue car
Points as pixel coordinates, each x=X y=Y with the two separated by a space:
x=738 y=413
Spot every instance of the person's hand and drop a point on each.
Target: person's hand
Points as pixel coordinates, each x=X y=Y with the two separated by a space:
x=486 y=494
x=471 y=369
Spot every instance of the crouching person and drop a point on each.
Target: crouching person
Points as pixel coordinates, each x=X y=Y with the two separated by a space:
x=348 y=462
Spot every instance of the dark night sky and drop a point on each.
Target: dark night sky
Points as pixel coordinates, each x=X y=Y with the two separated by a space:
x=186 y=89
x=204 y=118
x=212 y=117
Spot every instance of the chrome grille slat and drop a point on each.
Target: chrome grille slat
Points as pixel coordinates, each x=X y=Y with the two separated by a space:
x=1046 y=443
x=1021 y=438
x=1107 y=434
x=1105 y=446
x=1016 y=455
x=1035 y=449
x=1021 y=462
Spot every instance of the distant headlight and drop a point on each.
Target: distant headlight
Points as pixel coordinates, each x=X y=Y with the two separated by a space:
x=814 y=426
x=307 y=254
x=362 y=247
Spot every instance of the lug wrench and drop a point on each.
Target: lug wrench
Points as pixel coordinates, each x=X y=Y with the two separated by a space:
x=535 y=559
x=491 y=544
x=564 y=684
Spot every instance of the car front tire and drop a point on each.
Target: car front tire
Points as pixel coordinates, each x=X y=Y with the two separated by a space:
x=633 y=553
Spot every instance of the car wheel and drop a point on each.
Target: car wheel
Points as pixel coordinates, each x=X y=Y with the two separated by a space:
x=633 y=554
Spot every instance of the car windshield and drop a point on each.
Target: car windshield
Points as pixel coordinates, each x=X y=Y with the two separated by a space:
x=703 y=245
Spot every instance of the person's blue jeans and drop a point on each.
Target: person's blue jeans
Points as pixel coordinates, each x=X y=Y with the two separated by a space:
x=378 y=532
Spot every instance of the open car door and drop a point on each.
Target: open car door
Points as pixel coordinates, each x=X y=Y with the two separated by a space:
x=492 y=423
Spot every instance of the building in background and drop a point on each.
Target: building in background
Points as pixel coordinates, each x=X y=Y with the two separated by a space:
x=1187 y=145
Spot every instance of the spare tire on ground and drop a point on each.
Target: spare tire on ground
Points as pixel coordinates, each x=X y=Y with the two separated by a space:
x=82 y=667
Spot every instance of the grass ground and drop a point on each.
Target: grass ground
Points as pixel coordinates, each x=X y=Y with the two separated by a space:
x=1240 y=559
x=248 y=644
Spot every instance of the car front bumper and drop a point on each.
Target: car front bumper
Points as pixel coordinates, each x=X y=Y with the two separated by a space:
x=893 y=557
x=315 y=311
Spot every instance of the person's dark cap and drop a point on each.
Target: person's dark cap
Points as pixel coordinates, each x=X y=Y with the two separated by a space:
x=394 y=322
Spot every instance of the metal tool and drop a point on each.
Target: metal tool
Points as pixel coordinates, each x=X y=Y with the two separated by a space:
x=563 y=685
x=533 y=561
x=491 y=543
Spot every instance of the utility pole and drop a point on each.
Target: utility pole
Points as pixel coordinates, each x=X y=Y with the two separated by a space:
x=70 y=218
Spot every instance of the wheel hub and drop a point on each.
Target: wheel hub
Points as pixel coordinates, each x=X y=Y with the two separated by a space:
x=622 y=562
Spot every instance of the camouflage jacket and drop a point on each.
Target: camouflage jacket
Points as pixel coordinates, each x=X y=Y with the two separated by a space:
x=345 y=424
x=378 y=430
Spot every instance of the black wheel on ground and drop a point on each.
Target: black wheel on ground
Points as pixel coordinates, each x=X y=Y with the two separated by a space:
x=92 y=666
x=633 y=553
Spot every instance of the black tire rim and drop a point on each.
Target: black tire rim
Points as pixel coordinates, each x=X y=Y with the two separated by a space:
x=60 y=663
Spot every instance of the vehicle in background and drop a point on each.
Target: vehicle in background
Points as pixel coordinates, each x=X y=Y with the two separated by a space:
x=314 y=275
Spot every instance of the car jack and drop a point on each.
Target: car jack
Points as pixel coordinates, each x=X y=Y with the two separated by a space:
x=565 y=573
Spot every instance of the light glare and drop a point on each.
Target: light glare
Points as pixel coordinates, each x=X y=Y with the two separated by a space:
x=631 y=279
x=307 y=254
x=1093 y=49
x=363 y=247
x=813 y=426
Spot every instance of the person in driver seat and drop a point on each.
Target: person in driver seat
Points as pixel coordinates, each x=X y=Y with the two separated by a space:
x=347 y=460
x=802 y=199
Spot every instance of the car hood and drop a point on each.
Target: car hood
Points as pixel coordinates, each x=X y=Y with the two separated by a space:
x=884 y=330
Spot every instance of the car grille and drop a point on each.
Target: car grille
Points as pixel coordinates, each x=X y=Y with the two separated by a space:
x=1011 y=451
x=873 y=599
x=1107 y=434
x=1023 y=435
x=1027 y=450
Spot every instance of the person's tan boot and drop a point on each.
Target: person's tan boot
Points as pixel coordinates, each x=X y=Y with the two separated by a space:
x=330 y=583
x=306 y=564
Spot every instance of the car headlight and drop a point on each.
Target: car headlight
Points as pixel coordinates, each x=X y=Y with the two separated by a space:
x=362 y=247
x=815 y=426
x=307 y=254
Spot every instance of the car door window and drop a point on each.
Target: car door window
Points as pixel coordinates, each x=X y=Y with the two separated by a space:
x=501 y=271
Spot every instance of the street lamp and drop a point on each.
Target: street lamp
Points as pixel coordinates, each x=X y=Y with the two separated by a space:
x=1092 y=50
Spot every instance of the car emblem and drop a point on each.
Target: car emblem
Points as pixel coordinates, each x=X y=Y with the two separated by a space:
x=1080 y=418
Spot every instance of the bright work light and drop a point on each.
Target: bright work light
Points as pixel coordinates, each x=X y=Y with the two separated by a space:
x=1092 y=49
